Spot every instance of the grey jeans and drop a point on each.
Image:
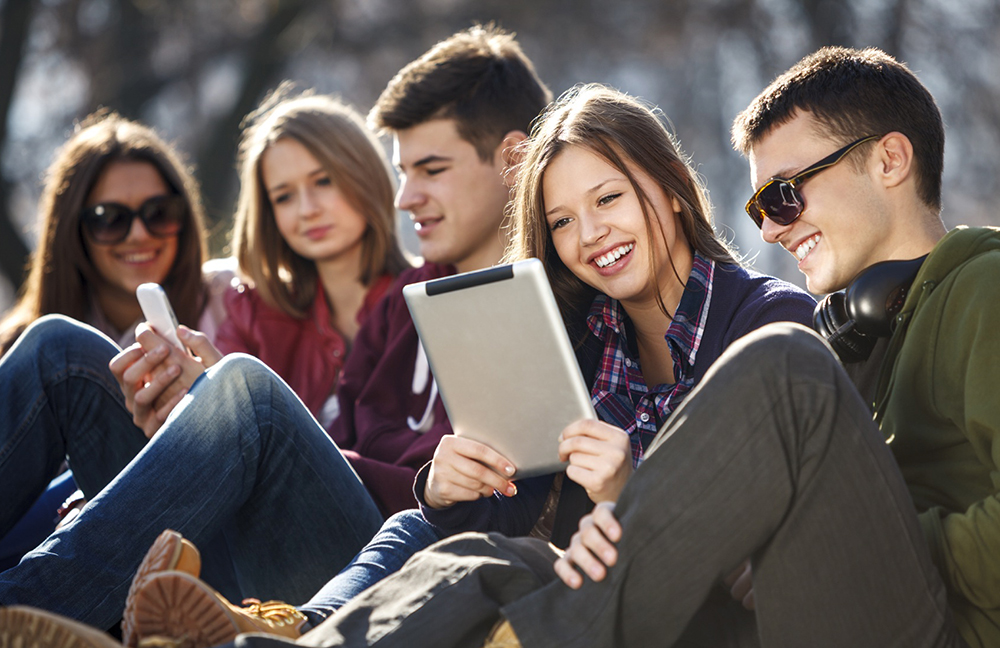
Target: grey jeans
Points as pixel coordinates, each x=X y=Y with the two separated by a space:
x=775 y=457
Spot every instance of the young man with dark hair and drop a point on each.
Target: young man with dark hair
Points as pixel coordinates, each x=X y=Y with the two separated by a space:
x=245 y=434
x=860 y=533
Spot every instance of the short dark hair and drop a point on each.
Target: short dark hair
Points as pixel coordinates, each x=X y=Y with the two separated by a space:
x=478 y=77
x=853 y=93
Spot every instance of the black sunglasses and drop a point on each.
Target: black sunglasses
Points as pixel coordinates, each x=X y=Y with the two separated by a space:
x=779 y=199
x=109 y=223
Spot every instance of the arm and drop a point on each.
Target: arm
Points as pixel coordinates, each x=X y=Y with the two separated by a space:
x=965 y=544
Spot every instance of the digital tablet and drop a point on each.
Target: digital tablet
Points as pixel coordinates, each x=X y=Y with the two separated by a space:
x=503 y=362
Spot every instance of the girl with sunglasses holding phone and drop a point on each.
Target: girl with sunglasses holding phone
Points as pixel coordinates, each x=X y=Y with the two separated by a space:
x=118 y=209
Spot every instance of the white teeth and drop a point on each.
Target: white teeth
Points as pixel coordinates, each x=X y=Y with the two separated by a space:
x=138 y=257
x=806 y=247
x=607 y=259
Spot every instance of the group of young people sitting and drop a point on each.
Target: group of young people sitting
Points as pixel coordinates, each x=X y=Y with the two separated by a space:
x=735 y=490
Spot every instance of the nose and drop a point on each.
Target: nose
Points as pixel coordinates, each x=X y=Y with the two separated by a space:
x=137 y=230
x=408 y=196
x=307 y=203
x=772 y=232
x=593 y=229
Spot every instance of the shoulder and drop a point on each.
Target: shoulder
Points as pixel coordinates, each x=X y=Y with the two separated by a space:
x=748 y=294
x=426 y=272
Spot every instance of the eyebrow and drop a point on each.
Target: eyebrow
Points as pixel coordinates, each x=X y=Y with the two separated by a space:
x=278 y=187
x=424 y=161
x=592 y=190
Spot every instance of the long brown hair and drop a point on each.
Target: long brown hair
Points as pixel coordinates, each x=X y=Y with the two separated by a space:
x=336 y=136
x=61 y=276
x=622 y=130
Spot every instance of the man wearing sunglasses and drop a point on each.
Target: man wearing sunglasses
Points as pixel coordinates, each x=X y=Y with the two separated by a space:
x=860 y=533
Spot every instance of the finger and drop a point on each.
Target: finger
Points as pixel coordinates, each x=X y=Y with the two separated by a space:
x=147 y=395
x=616 y=450
x=148 y=338
x=730 y=580
x=597 y=544
x=605 y=520
x=592 y=428
x=164 y=412
x=567 y=572
x=135 y=375
x=580 y=553
x=483 y=454
x=199 y=344
x=124 y=360
x=484 y=482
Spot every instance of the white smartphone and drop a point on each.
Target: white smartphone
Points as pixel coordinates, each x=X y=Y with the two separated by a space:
x=158 y=312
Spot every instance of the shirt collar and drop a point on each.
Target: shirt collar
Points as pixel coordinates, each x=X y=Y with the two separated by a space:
x=684 y=335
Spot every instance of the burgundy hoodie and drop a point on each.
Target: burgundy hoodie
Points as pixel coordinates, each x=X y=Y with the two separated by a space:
x=391 y=417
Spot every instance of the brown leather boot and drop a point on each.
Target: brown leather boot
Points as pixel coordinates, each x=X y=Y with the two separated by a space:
x=169 y=552
x=25 y=627
x=180 y=606
x=502 y=636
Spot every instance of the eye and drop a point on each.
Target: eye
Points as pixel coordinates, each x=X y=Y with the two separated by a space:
x=607 y=199
x=434 y=172
x=559 y=223
x=323 y=181
x=281 y=198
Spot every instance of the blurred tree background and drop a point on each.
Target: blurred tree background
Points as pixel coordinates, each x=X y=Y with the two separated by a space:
x=193 y=68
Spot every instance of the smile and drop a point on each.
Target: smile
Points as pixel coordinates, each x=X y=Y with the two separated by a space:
x=612 y=257
x=806 y=247
x=138 y=257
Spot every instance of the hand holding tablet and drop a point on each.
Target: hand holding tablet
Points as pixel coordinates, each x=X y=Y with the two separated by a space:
x=503 y=362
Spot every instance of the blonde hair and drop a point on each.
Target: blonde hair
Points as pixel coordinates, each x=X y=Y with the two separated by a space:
x=621 y=130
x=61 y=275
x=337 y=137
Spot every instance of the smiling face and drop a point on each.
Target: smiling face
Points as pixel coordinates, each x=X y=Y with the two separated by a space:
x=141 y=257
x=845 y=226
x=599 y=230
x=455 y=199
x=313 y=215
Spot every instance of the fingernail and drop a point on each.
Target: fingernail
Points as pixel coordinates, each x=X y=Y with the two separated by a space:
x=183 y=333
x=160 y=349
x=173 y=370
x=509 y=469
x=511 y=490
x=609 y=556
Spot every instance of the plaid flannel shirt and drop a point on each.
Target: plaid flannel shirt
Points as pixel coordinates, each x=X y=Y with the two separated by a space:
x=620 y=395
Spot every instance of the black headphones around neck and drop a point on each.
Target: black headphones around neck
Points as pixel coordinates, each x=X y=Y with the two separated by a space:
x=853 y=319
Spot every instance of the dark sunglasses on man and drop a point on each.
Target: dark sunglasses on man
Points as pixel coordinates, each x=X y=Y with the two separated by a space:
x=109 y=223
x=779 y=198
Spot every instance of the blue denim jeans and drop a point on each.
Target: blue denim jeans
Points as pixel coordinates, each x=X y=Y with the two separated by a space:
x=402 y=535
x=241 y=468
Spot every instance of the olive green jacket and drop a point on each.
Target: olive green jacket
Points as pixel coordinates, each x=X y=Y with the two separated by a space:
x=938 y=404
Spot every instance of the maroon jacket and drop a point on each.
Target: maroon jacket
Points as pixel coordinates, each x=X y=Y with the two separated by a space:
x=307 y=353
x=391 y=417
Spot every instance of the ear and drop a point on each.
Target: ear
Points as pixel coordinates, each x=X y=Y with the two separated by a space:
x=511 y=153
x=895 y=159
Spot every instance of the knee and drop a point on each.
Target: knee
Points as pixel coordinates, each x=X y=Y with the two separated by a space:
x=411 y=524
x=781 y=349
x=237 y=374
x=62 y=338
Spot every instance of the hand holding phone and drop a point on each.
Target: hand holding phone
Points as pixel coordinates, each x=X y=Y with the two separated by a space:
x=158 y=312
